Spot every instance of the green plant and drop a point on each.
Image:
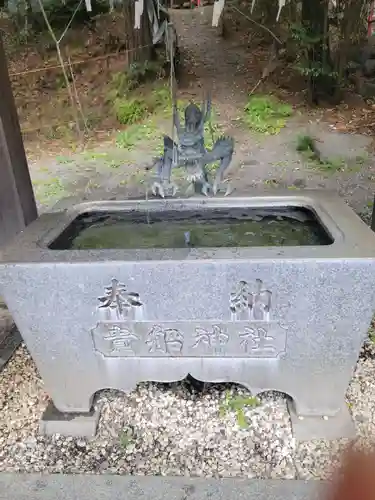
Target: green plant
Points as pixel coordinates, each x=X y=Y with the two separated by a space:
x=125 y=82
x=93 y=119
x=305 y=144
x=281 y=163
x=125 y=438
x=159 y=150
x=128 y=138
x=335 y=164
x=94 y=155
x=361 y=160
x=119 y=86
x=47 y=191
x=272 y=182
x=130 y=110
x=64 y=159
x=59 y=132
x=371 y=331
x=237 y=404
x=114 y=164
x=60 y=82
x=313 y=60
x=161 y=98
x=266 y=114
x=211 y=133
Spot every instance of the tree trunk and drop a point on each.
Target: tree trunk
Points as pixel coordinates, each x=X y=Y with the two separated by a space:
x=292 y=11
x=352 y=30
x=322 y=84
x=269 y=14
x=138 y=41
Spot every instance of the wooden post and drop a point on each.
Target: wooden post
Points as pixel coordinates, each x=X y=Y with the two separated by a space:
x=373 y=216
x=17 y=202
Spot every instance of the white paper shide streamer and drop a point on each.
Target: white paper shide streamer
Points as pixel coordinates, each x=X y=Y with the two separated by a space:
x=138 y=11
x=281 y=5
x=217 y=12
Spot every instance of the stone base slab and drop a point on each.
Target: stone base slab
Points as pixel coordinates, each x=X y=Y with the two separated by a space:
x=330 y=428
x=68 y=424
x=105 y=487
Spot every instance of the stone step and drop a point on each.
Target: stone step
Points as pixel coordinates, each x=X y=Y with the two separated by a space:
x=106 y=487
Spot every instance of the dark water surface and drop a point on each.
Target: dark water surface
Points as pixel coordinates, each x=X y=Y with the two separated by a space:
x=239 y=227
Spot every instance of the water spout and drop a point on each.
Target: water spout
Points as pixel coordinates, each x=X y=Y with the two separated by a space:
x=187 y=238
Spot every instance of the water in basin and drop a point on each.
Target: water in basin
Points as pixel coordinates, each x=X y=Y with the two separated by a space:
x=237 y=227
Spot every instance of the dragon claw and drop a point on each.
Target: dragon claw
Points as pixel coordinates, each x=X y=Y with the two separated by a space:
x=218 y=186
x=229 y=190
x=205 y=188
x=164 y=188
x=189 y=189
x=157 y=188
x=174 y=188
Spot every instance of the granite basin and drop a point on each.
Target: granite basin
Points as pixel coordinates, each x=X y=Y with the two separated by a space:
x=201 y=287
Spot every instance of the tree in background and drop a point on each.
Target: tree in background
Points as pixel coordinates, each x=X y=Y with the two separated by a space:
x=325 y=31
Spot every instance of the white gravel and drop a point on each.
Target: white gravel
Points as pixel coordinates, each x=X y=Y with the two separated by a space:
x=172 y=429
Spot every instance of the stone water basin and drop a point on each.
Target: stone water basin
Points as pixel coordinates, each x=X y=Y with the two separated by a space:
x=274 y=292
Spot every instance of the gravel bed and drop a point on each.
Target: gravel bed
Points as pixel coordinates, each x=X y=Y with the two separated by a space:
x=173 y=429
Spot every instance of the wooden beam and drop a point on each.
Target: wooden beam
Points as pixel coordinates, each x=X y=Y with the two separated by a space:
x=373 y=216
x=17 y=202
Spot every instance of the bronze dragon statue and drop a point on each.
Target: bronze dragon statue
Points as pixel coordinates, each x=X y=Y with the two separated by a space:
x=190 y=153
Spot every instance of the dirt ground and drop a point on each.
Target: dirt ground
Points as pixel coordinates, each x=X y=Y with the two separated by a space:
x=226 y=67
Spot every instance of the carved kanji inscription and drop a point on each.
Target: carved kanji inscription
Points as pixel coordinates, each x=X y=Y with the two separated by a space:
x=243 y=339
x=121 y=339
x=115 y=339
x=121 y=330
x=259 y=342
x=118 y=303
x=212 y=339
x=165 y=340
x=250 y=303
